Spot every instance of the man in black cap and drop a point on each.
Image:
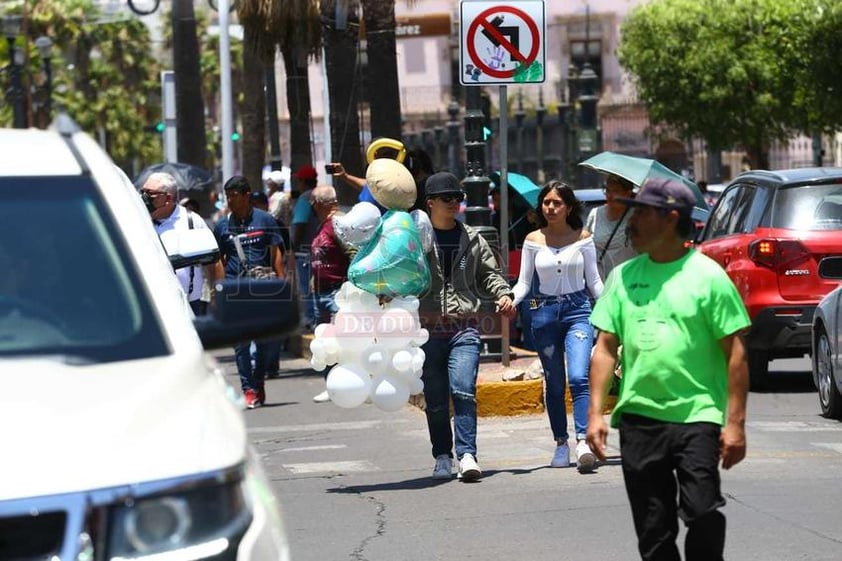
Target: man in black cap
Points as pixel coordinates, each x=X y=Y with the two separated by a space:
x=462 y=267
x=682 y=401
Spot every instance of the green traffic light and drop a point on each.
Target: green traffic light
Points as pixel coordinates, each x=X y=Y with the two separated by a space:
x=486 y=133
x=235 y=136
x=159 y=127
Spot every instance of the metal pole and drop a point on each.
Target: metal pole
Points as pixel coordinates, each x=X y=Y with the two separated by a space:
x=226 y=105
x=48 y=85
x=15 y=94
x=505 y=336
x=453 y=137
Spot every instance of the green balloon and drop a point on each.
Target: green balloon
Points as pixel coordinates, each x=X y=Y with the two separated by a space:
x=392 y=263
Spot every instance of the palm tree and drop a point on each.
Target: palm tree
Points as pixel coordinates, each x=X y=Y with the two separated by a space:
x=294 y=26
x=341 y=44
x=383 y=91
x=190 y=110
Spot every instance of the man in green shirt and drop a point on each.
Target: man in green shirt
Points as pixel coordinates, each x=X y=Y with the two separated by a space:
x=682 y=401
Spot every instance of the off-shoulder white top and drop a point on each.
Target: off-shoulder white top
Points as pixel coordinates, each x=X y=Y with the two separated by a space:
x=561 y=270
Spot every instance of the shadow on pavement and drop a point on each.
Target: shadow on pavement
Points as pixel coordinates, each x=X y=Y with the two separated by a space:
x=788 y=382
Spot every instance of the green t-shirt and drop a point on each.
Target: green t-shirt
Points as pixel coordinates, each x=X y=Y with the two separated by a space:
x=670 y=318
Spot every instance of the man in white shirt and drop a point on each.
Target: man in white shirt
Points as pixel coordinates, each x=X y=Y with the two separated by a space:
x=160 y=192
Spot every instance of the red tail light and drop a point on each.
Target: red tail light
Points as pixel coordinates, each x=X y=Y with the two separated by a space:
x=774 y=253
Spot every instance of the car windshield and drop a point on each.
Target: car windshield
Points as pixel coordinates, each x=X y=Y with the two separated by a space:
x=67 y=290
x=808 y=207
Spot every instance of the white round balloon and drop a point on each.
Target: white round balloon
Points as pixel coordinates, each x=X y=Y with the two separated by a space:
x=416 y=386
x=348 y=386
x=402 y=361
x=389 y=393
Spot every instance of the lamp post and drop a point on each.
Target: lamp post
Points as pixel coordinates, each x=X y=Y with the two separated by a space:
x=45 y=45
x=540 y=112
x=564 y=121
x=584 y=120
x=14 y=95
x=453 y=137
x=520 y=116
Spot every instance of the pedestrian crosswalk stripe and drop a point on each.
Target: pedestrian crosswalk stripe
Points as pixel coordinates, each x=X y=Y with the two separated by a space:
x=795 y=426
x=835 y=446
x=331 y=467
x=349 y=425
x=311 y=448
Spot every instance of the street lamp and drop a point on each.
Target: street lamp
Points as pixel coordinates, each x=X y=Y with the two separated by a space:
x=14 y=95
x=44 y=45
x=540 y=112
x=584 y=85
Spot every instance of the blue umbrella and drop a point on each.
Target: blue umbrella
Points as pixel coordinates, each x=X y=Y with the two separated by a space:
x=521 y=184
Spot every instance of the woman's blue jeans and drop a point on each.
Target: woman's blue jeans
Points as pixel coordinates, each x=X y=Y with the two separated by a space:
x=563 y=333
x=450 y=369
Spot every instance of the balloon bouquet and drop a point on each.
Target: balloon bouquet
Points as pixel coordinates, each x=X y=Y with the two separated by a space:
x=374 y=340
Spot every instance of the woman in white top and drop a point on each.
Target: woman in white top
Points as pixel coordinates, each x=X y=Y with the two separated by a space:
x=607 y=224
x=563 y=265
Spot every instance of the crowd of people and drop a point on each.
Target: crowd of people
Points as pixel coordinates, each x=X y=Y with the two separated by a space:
x=620 y=287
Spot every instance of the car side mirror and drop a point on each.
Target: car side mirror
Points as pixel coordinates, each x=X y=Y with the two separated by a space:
x=245 y=309
x=190 y=247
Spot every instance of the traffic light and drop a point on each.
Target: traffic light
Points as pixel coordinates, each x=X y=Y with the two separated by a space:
x=235 y=136
x=156 y=128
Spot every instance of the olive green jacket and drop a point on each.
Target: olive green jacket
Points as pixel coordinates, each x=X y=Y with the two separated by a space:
x=476 y=275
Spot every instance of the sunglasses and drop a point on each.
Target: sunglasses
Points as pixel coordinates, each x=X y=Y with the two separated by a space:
x=459 y=197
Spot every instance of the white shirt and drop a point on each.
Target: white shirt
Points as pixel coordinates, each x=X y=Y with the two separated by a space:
x=601 y=227
x=179 y=220
x=561 y=270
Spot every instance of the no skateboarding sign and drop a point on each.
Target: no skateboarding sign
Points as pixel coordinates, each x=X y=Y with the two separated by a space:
x=502 y=43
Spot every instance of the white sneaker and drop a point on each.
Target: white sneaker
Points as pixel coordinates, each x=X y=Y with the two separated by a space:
x=561 y=456
x=323 y=397
x=469 y=468
x=444 y=467
x=585 y=458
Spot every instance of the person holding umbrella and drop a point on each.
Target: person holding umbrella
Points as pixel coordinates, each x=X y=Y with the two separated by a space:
x=564 y=265
x=607 y=224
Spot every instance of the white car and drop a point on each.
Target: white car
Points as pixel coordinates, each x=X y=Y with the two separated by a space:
x=121 y=439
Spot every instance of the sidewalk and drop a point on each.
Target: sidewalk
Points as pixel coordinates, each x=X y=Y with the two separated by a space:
x=517 y=389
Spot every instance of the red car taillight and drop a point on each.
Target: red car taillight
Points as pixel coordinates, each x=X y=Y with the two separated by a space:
x=774 y=253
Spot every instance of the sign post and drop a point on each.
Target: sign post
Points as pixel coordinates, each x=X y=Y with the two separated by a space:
x=500 y=44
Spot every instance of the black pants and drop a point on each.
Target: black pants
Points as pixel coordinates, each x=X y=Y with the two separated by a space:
x=664 y=460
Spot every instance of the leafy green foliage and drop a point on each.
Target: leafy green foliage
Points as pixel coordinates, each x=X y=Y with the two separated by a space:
x=737 y=72
x=104 y=74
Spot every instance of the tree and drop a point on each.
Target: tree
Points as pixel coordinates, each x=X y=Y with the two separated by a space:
x=294 y=27
x=341 y=44
x=190 y=111
x=735 y=72
x=382 y=80
x=95 y=63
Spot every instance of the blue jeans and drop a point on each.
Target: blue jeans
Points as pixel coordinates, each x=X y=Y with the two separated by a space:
x=302 y=272
x=450 y=369
x=562 y=330
x=324 y=307
x=251 y=378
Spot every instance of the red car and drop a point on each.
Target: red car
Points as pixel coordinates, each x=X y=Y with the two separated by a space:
x=778 y=234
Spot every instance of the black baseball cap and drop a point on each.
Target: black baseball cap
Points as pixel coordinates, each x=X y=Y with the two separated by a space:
x=663 y=193
x=443 y=183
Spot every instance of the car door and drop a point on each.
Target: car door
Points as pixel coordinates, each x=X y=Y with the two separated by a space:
x=716 y=242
